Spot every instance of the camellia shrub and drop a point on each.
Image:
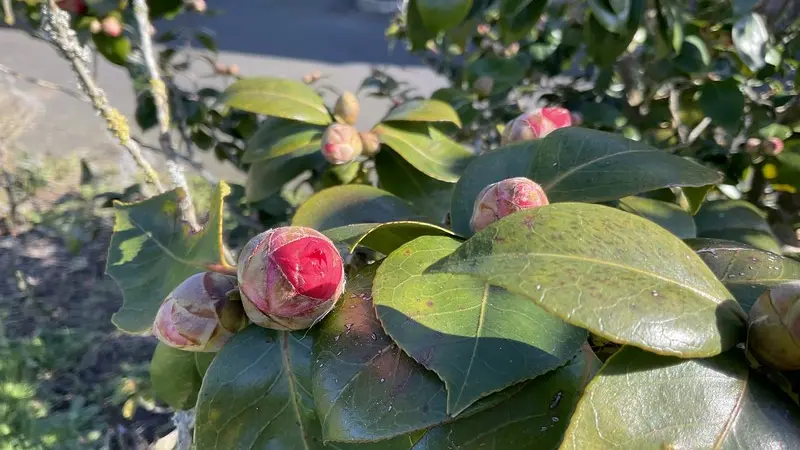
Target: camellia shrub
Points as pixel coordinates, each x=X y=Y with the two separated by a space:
x=573 y=278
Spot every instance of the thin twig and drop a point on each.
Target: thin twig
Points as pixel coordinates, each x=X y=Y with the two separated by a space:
x=161 y=100
x=44 y=83
x=698 y=130
x=8 y=13
x=674 y=110
x=56 y=26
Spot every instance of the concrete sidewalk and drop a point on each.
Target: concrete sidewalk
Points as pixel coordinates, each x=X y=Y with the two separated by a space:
x=274 y=38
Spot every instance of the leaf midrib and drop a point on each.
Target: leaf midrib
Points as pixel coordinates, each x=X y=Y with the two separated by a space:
x=287 y=364
x=574 y=169
x=517 y=255
x=478 y=332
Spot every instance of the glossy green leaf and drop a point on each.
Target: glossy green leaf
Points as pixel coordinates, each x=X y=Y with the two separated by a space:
x=423 y=111
x=722 y=102
x=746 y=271
x=174 y=377
x=429 y=151
x=364 y=386
x=440 y=15
x=267 y=176
x=736 y=220
x=534 y=419
x=461 y=102
x=279 y=137
x=256 y=394
x=518 y=17
x=643 y=401
x=152 y=251
x=670 y=23
x=384 y=237
x=750 y=38
x=418 y=33
x=576 y=164
x=668 y=215
x=427 y=195
x=616 y=274
x=277 y=97
x=349 y=204
x=478 y=338
x=775 y=130
x=614 y=19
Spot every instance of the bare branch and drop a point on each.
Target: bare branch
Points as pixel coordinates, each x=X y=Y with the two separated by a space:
x=674 y=110
x=44 y=83
x=8 y=13
x=56 y=25
x=161 y=100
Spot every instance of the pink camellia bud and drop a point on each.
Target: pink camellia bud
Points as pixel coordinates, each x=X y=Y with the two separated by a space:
x=341 y=143
x=112 y=26
x=198 y=316
x=290 y=278
x=773 y=146
x=536 y=124
x=503 y=198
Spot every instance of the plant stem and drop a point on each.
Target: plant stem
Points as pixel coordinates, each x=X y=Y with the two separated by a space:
x=8 y=13
x=56 y=25
x=161 y=99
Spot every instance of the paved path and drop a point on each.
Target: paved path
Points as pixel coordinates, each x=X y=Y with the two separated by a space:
x=269 y=37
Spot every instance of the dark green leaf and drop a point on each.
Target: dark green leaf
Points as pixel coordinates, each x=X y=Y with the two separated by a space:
x=670 y=23
x=384 y=237
x=277 y=97
x=207 y=40
x=617 y=275
x=266 y=177
x=576 y=164
x=202 y=360
x=278 y=137
x=605 y=46
x=736 y=220
x=517 y=18
x=349 y=204
x=365 y=387
x=423 y=111
x=750 y=37
x=722 y=102
x=668 y=215
x=534 y=419
x=639 y=400
x=174 y=377
x=694 y=56
x=429 y=196
x=257 y=394
x=775 y=130
x=459 y=326
x=746 y=271
x=152 y=251
x=691 y=198
x=440 y=15
x=429 y=151
x=418 y=33
x=614 y=19
x=460 y=100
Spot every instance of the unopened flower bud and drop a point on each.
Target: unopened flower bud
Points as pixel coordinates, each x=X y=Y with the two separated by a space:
x=752 y=145
x=536 y=124
x=78 y=7
x=773 y=327
x=773 y=146
x=316 y=75
x=198 y=315
x=341 y=143
x=233 y=70
x=112 y=26
x=370 y=143
x=503 y=198
x=483 y=29
x=290 y=278
x=308 y=79
x=347 y=108
x=483 y=85
x=95 y=26
x=197 y=5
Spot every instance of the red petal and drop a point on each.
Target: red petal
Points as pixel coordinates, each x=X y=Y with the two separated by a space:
x=312 y=265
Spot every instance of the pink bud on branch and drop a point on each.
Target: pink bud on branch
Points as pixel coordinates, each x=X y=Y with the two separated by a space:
x=341 y=144
x=290 y=278
x=198 y=315
x=536 y=124
x=503 y=198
